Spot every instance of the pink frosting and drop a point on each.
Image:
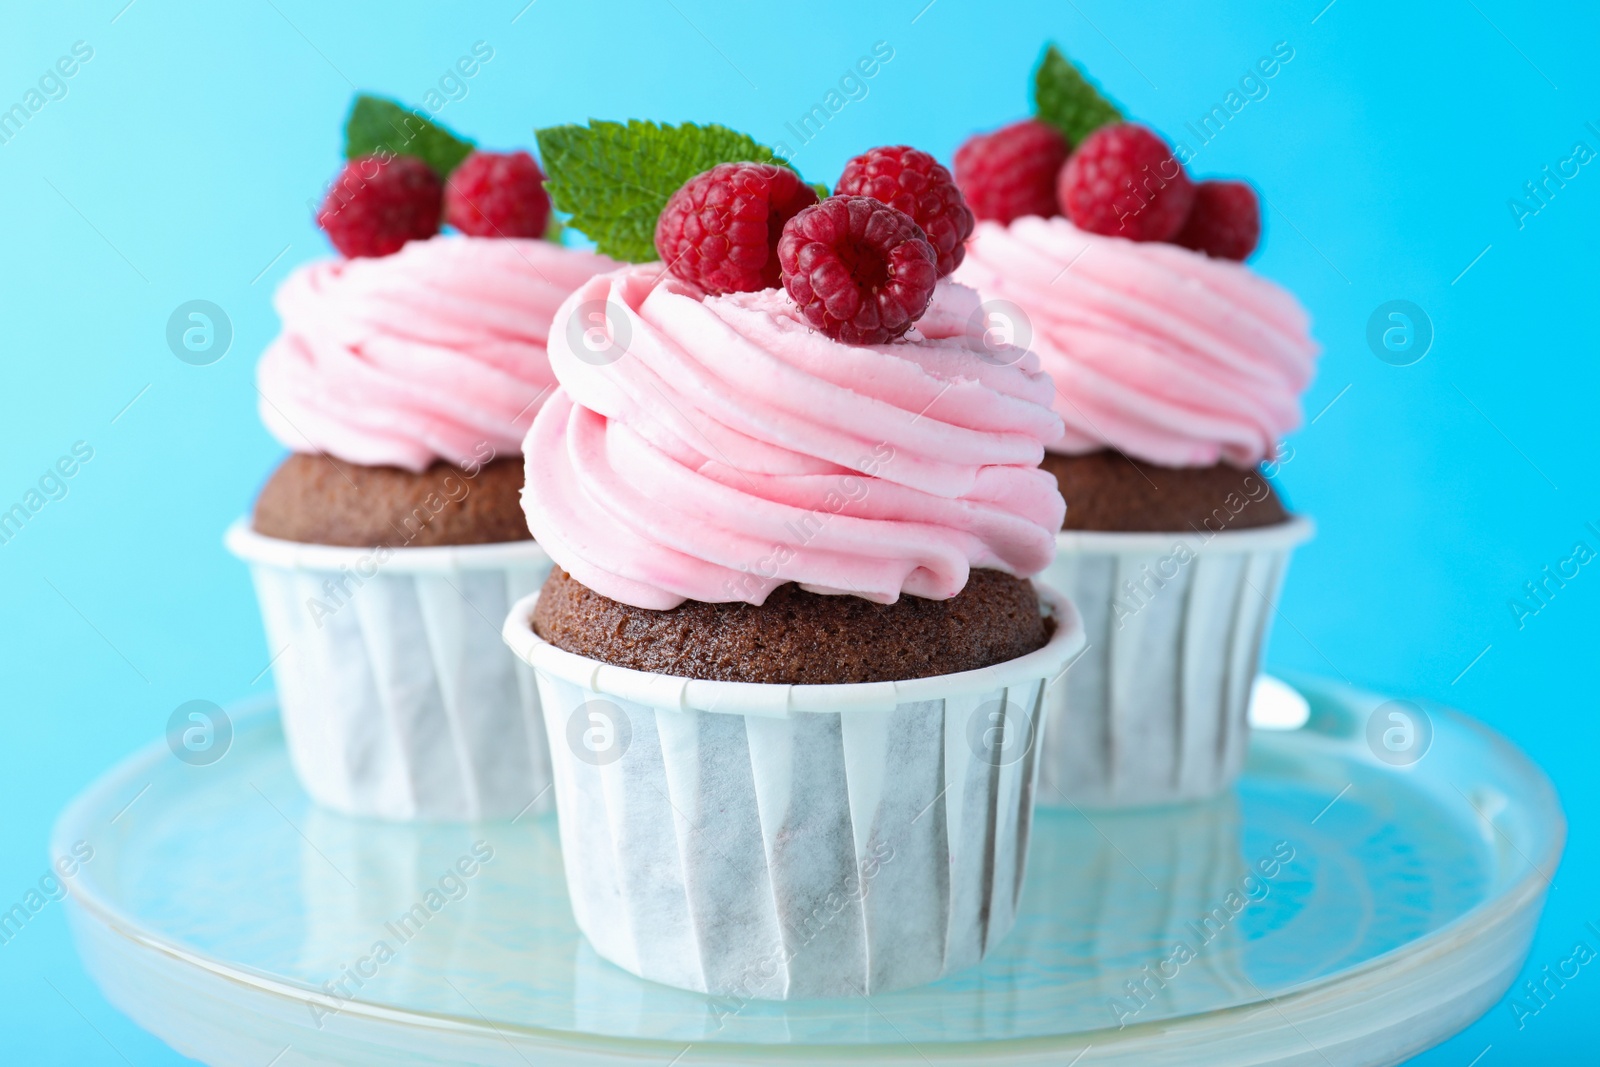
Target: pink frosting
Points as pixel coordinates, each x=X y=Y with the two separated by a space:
x=1160 y=352
x=435 y=352
x=731 y=449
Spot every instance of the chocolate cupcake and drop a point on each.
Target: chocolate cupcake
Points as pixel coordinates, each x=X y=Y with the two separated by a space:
x=791 y=661
x=1178 y=371
x=403 y=384
x=1176 y=374
x=324 y=500
x=800 y=638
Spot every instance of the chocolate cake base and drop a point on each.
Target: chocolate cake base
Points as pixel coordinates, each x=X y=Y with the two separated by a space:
x=1108 y=490
x=800 y=638
x=317 y=499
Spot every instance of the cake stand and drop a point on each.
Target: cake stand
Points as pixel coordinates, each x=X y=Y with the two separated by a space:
x=1349 y=903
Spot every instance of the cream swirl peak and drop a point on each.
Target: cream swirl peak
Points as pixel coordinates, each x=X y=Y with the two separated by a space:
x=433 y=352
x=1157 y=351
x=722 y=448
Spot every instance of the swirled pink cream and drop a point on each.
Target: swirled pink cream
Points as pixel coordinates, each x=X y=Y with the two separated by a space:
x=714 y=448
x=1157 y=351
x=431 y=353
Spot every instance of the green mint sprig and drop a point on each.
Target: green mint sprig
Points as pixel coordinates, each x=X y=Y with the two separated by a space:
x=1064 y=98
x=613 y=178
x=377 y=124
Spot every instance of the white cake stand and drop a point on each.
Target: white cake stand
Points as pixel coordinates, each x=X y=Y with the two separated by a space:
x=1337 y=909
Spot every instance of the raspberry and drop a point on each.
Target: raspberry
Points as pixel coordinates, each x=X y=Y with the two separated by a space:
x=1225 y=221
x=1123 y=181
x=860 y=271
x=497 y=194
x=721 y=229
x=1012 y=171
x=915 y=183
x=378 y=203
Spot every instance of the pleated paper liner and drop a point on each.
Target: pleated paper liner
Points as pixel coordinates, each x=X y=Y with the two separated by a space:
x=776 y=841
x=1154 y=711
x=398 y=701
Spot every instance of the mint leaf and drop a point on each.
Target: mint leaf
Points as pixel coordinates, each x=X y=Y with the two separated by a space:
x=614 y=178
x=1067 y=100
x=376 y=123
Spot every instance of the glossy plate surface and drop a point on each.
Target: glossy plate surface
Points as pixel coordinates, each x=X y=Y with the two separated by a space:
x=1336 y=909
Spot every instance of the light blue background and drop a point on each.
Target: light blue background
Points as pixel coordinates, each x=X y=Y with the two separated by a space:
x=180 y=162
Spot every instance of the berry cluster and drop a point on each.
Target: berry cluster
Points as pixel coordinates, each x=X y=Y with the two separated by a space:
x=1122 y=180
x=380 y=201
x=860 y=265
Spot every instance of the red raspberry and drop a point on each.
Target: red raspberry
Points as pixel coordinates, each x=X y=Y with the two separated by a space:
x=915 y=183
x=1225 y=221
x=1123 y=181
x=380 y=202
x=861 y=271
x=1012 y=171
x=720 y=229
x=497 y=194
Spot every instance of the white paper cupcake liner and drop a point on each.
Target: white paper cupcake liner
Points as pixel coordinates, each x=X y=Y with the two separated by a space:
x=777 y=841
x=397 y=700
x=1154 y=711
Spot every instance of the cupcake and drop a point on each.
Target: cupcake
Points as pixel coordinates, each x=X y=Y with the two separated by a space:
x=389 y=543
x=790 y=657
x=1178 y=371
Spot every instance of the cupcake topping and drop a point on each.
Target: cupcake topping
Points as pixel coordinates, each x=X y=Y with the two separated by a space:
x=1012 y=171
x=1225 y=221
x=720 y=229
x=716 y=437
x=910 y=180
x=419 y=347
x=716 y=447
x=1174 y=355
x=857 y=269
x=1171 y=356
x=614 y=179
x=497 y=194
x=407 y=175
x=1080 y=158
x=380 y=202
x=436 y=351
x=1123 y=180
